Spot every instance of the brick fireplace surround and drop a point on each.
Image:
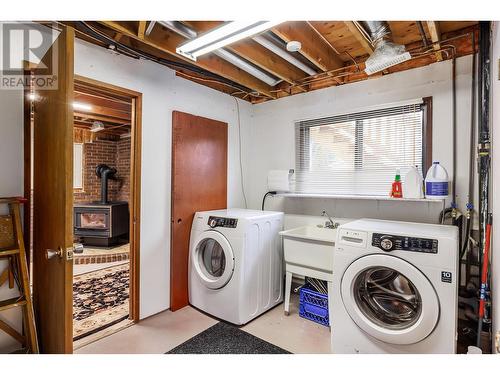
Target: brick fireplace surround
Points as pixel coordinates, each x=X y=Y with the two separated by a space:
x=115 y=153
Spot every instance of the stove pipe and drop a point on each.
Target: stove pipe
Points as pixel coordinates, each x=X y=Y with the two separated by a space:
x=105 y=173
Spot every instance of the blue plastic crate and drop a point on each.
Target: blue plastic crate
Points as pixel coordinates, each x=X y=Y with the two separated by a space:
x=314 y=306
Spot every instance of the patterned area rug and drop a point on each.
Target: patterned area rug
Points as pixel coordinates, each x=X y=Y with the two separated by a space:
x=100 y=299
x=224 y=338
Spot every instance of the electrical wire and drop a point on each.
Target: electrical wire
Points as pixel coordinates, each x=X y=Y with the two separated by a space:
x=239 y=148
x=264 y=198
x=122 y=48
x=328 y=75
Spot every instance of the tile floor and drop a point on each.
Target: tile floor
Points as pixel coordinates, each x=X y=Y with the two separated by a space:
x=164 y=331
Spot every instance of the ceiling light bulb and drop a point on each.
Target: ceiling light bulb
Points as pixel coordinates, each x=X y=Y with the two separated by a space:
x=81 y=106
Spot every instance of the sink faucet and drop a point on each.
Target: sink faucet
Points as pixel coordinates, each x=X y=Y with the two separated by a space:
x=329 y=224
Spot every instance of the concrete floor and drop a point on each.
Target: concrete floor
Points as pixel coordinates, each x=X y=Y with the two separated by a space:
x=164 y=331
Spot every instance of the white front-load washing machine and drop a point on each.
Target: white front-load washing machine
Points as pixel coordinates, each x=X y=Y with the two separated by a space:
x=236 y=263
x=395 y=288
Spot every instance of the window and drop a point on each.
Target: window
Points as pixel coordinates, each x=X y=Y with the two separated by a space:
x=77 y=166
x=358 y=153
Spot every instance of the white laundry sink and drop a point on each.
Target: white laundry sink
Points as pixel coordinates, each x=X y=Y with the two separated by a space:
x=309 y=247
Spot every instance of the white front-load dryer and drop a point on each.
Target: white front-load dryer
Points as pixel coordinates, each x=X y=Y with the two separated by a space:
x=395 y=288
x=236 y=263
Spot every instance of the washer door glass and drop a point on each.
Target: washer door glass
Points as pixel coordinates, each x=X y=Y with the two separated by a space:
x=213 y=259
x=212 y=254
x=390 y=299
x=387 y=297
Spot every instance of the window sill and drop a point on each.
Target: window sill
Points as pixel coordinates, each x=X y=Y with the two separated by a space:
x=358 y=197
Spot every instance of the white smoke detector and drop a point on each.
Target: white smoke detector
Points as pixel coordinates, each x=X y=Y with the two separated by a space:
x=293 y=46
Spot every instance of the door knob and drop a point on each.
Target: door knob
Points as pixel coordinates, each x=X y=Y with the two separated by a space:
x=51 y=254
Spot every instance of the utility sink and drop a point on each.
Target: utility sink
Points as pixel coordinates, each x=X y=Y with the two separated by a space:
x=309 y=247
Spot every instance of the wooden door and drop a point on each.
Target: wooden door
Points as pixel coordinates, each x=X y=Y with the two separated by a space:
x=199 y=183
x=53 y=200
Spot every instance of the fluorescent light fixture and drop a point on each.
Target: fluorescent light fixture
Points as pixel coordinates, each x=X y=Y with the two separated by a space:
x=222 y=36
x=81 y=106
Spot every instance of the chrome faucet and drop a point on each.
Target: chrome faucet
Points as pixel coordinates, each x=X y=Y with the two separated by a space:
x=329 y=224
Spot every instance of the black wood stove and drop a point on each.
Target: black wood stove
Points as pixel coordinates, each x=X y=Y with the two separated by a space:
x=101 y=223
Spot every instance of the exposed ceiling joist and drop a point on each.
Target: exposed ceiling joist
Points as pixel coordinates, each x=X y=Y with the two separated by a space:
x=435 y=33
x=360 y=37
x=332 y=47
x=97 y=117
x=168 y=41
x=256 y=54
x=260 y=56
x=118 y=37
x=141 y=29
x=314 y=47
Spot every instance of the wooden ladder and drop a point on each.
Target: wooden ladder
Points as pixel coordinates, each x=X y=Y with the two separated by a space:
x=12 y=248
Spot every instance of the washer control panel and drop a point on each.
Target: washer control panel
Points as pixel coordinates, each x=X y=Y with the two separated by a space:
x=389 y=242
x=224 y=222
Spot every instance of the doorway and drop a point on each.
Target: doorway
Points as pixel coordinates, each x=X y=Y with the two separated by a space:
x=106 y=207
x=104 y=299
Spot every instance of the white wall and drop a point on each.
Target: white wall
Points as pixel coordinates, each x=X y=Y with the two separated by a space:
x=495 y=167
x=162 y=92
x=272 y=136
x=11 y=184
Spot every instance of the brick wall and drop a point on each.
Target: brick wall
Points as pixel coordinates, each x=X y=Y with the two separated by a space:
x=113 y=153
x=123 y=168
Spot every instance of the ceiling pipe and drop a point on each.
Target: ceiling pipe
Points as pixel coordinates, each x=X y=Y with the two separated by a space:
x=283 y=54
x=188 y=33
x=150 y=27
x=422 y=33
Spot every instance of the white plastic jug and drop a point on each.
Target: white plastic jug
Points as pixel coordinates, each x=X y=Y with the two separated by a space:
x=413 y=184
x=436 y=182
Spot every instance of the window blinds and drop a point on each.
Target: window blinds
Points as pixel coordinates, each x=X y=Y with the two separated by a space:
x=358 y=153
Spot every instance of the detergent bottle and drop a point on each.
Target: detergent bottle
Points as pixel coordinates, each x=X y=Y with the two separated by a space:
x=436 y=182
x=413 y=184
x=397 y=188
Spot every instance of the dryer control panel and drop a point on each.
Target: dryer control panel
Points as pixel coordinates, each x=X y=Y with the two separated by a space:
x=389 y=242
x=224 y=222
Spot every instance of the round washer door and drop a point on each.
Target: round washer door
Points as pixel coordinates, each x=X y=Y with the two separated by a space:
x=213 y=259
x=390 y=299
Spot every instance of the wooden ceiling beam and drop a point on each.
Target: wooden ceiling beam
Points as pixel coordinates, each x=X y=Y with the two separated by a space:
x=141 y=29
x=168 y=42
x=314 y=47
x=107 y=111
x=96 y=117
x=435 y=33
x=360 y=37
x=261 y=57
x=256 y=54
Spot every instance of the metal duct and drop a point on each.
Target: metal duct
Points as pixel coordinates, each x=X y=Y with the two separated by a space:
x=224 y=54
x=386 y=53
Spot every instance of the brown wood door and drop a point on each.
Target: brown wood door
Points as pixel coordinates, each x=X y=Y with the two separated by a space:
x=199 y=183
x=53 y=200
